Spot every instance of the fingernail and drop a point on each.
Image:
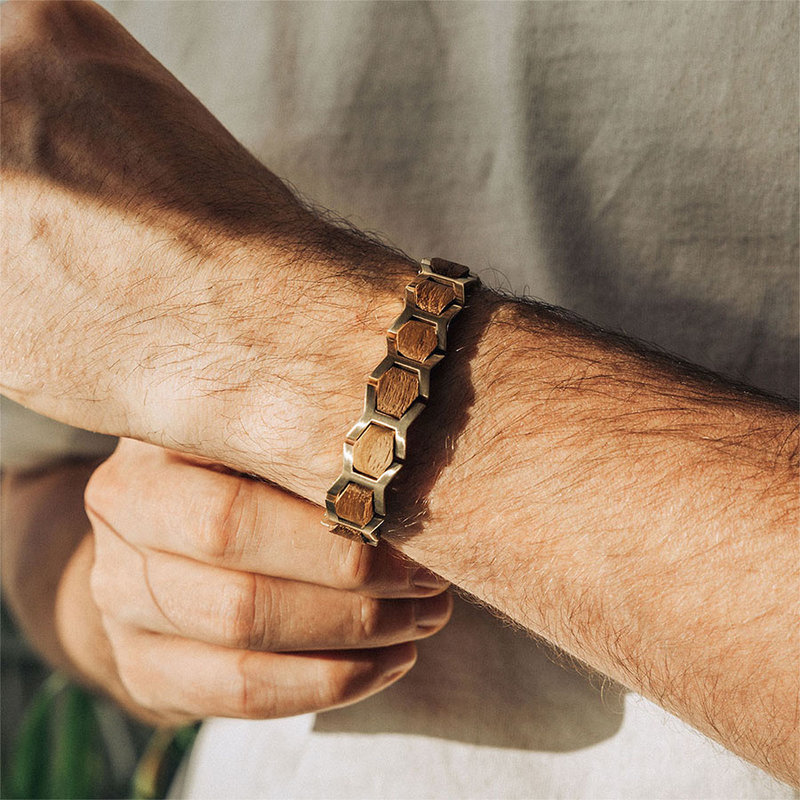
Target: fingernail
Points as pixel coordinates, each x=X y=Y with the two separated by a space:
x=399 y=660
x=425 y=579
x=433 y=611
x=393 y=676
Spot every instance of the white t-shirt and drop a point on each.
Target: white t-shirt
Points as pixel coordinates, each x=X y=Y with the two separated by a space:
x=636 y=163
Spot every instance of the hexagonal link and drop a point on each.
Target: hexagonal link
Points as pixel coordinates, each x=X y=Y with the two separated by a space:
x=416 y=339
x=433 y=296
x=365 y=533
x=359 y=534
x=371 y=414
x=373 y=451
x=355 y=504
x=396 y=390
x=460 y=285
x=422 y=371
x=377 y=487
x=440 y=322
x=447 y=269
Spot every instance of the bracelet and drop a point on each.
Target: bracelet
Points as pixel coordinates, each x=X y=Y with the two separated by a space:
x=397 y=390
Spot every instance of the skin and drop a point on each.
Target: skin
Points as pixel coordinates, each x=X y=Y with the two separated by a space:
x=637 y=512
x=145 y=590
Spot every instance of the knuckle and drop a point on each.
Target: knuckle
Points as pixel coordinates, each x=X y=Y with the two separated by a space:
x=102 y=588
x=217 y=533
x=47 y=24
x=103 y=487
x=135 y=678
x=367 y=619
x=140 y=691
x=253 y=697
x=43 y=20
x=242 y=611
x=24 y=19
x=342 y=682
x=358 y=567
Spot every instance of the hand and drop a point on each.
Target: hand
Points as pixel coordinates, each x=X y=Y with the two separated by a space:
x=162 y=284
x=224 y=596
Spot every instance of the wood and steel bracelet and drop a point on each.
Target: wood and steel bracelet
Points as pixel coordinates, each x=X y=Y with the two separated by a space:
x=397 y=390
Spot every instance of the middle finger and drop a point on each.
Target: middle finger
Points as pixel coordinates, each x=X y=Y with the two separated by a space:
x=174 y=595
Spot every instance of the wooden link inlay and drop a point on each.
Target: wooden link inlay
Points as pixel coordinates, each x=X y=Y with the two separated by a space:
x=397 y=389
x=416 y=340
x=354 y=504
x=433 y=297
x=373 y=451
x=449 y=268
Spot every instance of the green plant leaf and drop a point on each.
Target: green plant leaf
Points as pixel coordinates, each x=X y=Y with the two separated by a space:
x=78 y=754
x=157 y=767
x=30 y=766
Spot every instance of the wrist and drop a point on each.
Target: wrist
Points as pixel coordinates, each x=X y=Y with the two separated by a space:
x=453 y=446
x=300 y=336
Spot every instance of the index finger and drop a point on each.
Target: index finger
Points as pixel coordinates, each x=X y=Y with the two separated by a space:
x=158 y=500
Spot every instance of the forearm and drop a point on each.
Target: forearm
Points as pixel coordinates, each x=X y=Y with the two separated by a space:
x=635 y=512
x=640 y=517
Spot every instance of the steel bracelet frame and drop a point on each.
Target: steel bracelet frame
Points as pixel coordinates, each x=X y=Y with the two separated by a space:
x=355 y=506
